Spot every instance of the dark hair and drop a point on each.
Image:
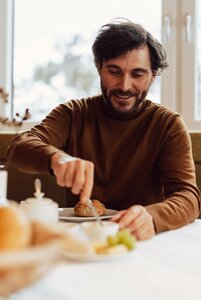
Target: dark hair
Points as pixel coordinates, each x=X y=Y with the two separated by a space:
x=117 y=38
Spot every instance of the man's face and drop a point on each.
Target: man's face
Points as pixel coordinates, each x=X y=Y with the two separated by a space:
x=125 y=80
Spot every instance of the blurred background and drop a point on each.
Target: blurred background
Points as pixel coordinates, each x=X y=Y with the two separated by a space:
x=46 y=56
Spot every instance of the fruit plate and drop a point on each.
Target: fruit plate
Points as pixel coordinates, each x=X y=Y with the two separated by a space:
x=88 y=257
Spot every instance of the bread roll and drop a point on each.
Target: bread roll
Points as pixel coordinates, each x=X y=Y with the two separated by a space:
x=15 y=229
x=83 y=210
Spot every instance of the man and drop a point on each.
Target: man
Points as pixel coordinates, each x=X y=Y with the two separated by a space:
x=120 y=148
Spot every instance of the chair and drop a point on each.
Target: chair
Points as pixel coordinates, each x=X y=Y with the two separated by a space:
x=196 y=148
x=21 y=185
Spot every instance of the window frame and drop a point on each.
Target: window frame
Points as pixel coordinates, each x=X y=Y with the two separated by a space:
x=189 y=66
x=6 y=53
x=181 y=73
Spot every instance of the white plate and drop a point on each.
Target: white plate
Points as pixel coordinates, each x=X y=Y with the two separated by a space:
x=67 y=214
x=88 y=257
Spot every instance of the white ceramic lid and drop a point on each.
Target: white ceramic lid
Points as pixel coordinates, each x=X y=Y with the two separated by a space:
x=39 y=201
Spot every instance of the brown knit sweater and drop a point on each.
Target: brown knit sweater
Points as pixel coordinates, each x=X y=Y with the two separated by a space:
x=145 y=159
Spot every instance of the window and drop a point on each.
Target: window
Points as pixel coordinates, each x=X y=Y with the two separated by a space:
x=52 y=54
x=181 y=82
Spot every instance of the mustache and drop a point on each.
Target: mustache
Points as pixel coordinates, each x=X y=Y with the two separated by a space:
x=119 y=93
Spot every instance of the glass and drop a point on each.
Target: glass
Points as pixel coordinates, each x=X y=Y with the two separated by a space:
x=3 y=184
x=53 y=60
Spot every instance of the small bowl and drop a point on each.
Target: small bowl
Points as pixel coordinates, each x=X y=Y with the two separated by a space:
x=99 y=233
x=74 y=230
x=71 y=228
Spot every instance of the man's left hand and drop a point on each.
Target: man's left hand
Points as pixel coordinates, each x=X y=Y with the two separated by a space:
x=137 y=220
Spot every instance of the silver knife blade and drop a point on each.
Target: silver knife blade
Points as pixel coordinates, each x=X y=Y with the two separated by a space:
x=94 y=212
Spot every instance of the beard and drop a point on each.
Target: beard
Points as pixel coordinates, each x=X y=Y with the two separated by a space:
x=128 y=101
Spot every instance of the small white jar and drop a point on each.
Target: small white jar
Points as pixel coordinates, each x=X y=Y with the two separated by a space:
x=41 y=209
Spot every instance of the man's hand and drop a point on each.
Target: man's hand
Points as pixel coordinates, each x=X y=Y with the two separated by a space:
x=137 y=220
x=74 y=173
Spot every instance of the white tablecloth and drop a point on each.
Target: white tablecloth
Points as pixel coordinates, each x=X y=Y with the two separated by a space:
x=167 y=267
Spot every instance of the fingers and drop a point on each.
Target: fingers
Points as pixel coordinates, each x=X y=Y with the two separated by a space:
x=89 y=182
x=138 y=221
x=130 y=216
x=75 y=176
x=117 y=217
x=74 y=173
x=144 y=233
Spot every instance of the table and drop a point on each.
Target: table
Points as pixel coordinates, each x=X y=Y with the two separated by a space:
x=166 y=267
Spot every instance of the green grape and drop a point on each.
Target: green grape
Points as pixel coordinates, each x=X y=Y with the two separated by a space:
x=126 y=238
x=113 y=240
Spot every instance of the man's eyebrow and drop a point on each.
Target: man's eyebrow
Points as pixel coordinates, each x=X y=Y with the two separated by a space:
x=133 y=70
x=140 y=70
x=112 y=66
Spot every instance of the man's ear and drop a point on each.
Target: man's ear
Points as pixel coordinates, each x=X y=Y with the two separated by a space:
x=154 y=73
x=98 y=66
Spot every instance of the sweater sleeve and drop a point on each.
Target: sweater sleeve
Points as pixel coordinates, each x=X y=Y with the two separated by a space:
x=181 y=203
x=31 y=151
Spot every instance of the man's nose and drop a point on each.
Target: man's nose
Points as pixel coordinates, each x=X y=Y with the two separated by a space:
x=125 y=83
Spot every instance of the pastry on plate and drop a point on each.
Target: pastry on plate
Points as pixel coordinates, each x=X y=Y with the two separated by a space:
x=83 y=210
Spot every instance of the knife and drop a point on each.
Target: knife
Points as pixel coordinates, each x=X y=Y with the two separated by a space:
x=94 y=212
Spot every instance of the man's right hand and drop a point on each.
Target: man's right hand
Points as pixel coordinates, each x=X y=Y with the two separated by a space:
x=74 y=173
